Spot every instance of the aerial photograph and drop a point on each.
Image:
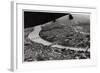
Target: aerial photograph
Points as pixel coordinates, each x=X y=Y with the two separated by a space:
x=52 y=36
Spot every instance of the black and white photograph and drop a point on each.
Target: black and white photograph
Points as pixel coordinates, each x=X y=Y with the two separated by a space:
x=50 y=36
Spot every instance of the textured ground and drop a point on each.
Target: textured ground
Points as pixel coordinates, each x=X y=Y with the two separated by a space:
x=38 y=52
x=72 y=36
x=63 y=33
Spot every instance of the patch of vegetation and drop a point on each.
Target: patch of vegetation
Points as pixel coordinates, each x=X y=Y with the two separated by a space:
x=38 y=52
x=65 y=35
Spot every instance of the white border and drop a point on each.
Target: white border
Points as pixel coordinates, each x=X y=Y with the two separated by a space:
x=17 y=29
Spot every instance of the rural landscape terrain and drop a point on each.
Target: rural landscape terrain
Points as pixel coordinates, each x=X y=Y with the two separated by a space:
x=59 y=39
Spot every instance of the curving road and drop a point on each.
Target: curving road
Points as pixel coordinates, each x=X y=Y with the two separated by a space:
x=34 y=36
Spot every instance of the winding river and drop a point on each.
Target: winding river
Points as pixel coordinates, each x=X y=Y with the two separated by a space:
x=34 y=36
